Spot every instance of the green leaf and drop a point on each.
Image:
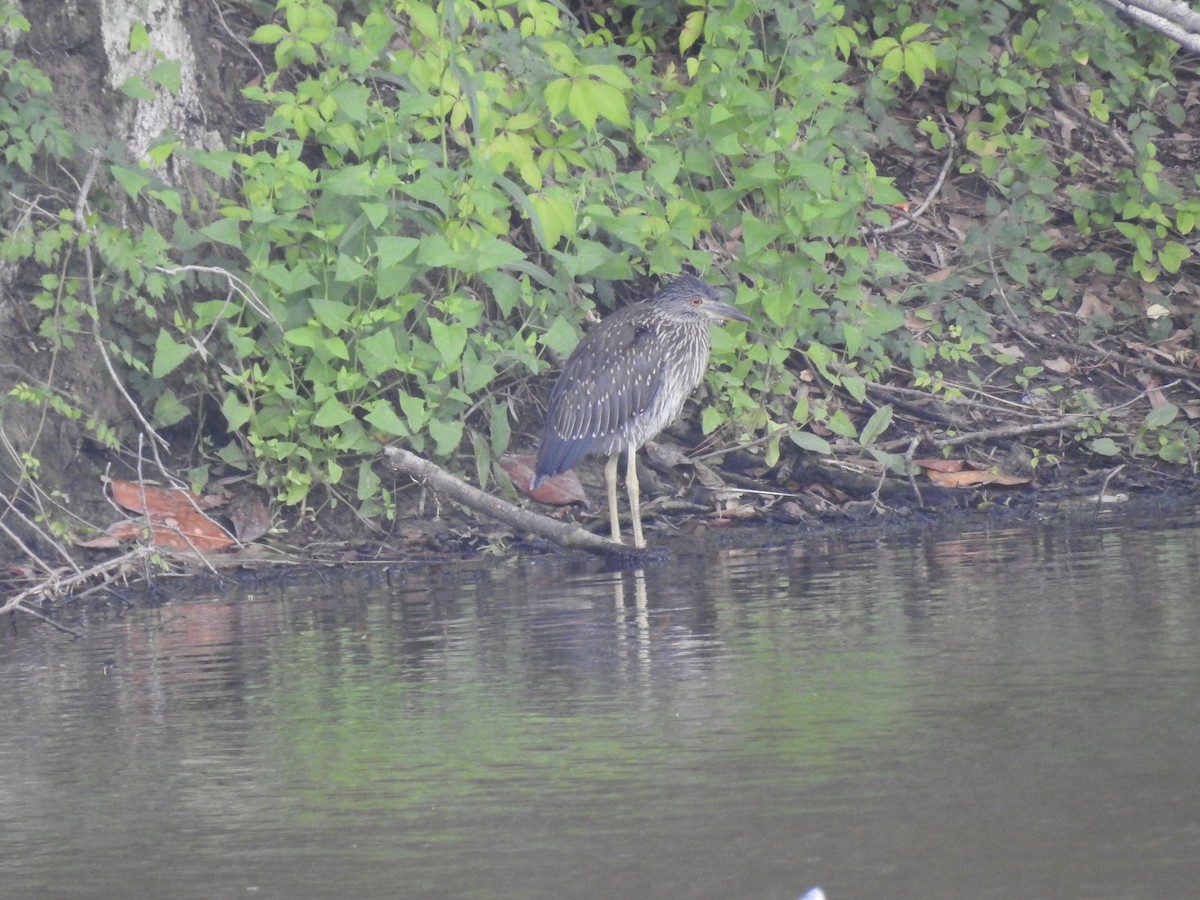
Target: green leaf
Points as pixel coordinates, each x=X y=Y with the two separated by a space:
x=557 y=95
x=168 y=355
x=894 y=461
x=414 y=410
x=876 y=425
x=492 y=253
x=139 y=38
x=394 y=250
x=856 y=387
x=449 y=339
x=806 y=440
x=1172 y=255
x=1160 y=417
x=447 y=435
x=711 y=419
x=499 y=429
x=1105 y=447
x=581 y=104
x=133 y=180
x=349 y=270
x=269 y=34
x=332 y=314
x=135 y=87
x=168 y=410
x=554 y=216
x=382 y=417
x=839 y=423
x=369 y=482
x=693 y=28
x=224 y=231
x=168 y=74
x=331 y=414
x=236 y=412
x=561 y=337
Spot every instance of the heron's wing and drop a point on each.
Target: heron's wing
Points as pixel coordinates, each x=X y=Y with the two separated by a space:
x=614 y=375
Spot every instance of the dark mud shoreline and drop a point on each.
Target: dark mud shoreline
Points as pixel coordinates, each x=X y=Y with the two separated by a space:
x=452 y=549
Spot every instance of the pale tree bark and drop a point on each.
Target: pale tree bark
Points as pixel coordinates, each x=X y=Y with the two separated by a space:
x=1171 y=18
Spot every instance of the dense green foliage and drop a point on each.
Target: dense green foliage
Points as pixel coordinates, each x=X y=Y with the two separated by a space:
x=437 y=191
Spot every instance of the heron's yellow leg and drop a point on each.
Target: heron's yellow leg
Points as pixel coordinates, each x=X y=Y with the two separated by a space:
x=610 y=483
x=635 y=504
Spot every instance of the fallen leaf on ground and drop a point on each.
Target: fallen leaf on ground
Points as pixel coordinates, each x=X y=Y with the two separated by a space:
x=974 y=478
x=561 y=490
x=1059 y=365
x=250 y=515
x=153 y=499
x=176 y=521
x=941 y=465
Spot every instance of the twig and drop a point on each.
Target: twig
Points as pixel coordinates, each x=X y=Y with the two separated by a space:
x=1104 y=487
x=30 y=611
x=910 y=218
x=53 y=584
x=235 y=284
x=1105 y=355
x=90 y=281
x=721 y=451
x=39 y=532
x=908 y=469
x=237 y=40
x=993 y=433
x=1059 y=96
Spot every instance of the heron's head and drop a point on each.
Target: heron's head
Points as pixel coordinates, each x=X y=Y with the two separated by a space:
x=689 y=299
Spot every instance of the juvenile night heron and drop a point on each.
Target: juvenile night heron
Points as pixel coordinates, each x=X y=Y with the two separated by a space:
x=627 y=381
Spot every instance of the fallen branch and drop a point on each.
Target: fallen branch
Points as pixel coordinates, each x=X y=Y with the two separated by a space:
x=442 y=481
x=1105 y=355
x=910 y=218
x=58 y=585
x=1172 y=18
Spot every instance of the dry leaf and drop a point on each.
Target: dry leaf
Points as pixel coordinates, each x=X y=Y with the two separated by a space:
x=941 y=465
x=152 y=499
x=973 y=478
x=250 y=515
x=561 y=490
x=1009 y=350
x=1059 y=365
x=175 y=522
x=1092 y=304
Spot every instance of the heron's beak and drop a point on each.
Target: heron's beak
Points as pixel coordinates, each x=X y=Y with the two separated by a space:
x=724 y=312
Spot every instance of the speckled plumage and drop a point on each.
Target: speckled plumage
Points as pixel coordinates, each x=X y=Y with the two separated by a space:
x=628 y=380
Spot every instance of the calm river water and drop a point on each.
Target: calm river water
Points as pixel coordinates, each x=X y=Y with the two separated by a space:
x=1011 y=713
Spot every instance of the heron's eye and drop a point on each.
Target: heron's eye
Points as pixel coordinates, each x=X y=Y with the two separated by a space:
x=696 y=301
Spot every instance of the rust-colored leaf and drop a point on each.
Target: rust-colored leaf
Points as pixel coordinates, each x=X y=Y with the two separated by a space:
x=941 y=465
x=733 y=511
x=152 y=499
x=174 y=521
x=196 y=530
x=974 y=478
x=561 y=490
